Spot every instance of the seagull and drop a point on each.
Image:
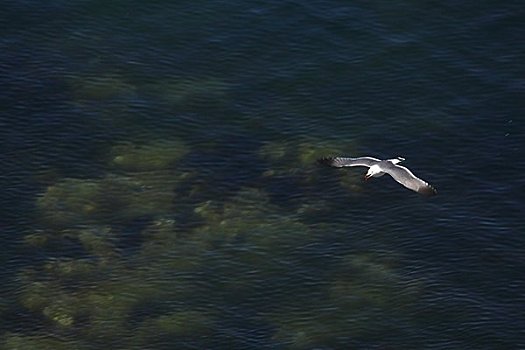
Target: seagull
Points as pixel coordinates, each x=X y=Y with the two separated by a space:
x=378 y=167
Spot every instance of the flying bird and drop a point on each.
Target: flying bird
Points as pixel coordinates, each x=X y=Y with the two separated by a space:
x=378 y=167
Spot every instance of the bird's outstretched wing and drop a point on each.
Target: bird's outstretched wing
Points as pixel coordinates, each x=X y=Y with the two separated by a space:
x=406 y=178
x=339 y=162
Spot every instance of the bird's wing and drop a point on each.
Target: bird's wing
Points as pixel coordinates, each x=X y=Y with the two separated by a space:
x=340 y=162
x=409 y=180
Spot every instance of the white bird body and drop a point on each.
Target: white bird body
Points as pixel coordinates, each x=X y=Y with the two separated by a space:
x=374 y=171
x=378 y=167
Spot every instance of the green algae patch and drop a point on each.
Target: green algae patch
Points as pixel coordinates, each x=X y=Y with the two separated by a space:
x=71 y=269
x=352 y=180
x=294 y=165
x=310 y=152
x=297 y=160
x=37 y=239
x=148 y=157
x=68 y=201
x=164 y=242
x=100 y=87
x=161 y=230
x=367 y=294
x=191 y=257
x=237 y=216
x=51 y=301
x=248 y=240
x=114 y=198
x=180 y=323
x=249 y=214
x=98 y=241
x=374 y=281
x=304 y=153
x=14 y=341
x=36 y=295
x=108 y=307
x=152 y=194
x=299 y=334
x=185 y=92
x=124 y=198
x=61 y=313
x=166 y=250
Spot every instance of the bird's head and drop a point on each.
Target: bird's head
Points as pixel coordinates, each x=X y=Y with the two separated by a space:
x=397 y=160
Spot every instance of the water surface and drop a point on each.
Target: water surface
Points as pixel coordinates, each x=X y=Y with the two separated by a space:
x=160 y=185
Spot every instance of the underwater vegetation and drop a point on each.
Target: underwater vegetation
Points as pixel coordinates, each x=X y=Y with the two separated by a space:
x=142 y=183
x=158 y=155
x=299 y=158
x=189 y=92
x=367 y=295
x=299 y=154
x=99 y=88
x=294 y=176
x=12 y=341
x=131 y=263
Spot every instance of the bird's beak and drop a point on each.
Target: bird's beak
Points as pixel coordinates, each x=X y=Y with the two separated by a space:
x=367 y=177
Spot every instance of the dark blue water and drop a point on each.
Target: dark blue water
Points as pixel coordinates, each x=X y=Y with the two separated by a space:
x=160 y=187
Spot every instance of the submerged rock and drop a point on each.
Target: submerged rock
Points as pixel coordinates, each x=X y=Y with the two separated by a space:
x=99 y=241
x=297 y=160
x=61 y=312
x=68 y=201
x=184 y=92
x=38 y=239
x=126 y=198
x=233 y=249
x=367 y=295
x=71 y=269
x=36 y=294
x=100 y=87
x=109 y=200
x=15 y=341
x=148 y=157
x=300 y=154
x=180 y=323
